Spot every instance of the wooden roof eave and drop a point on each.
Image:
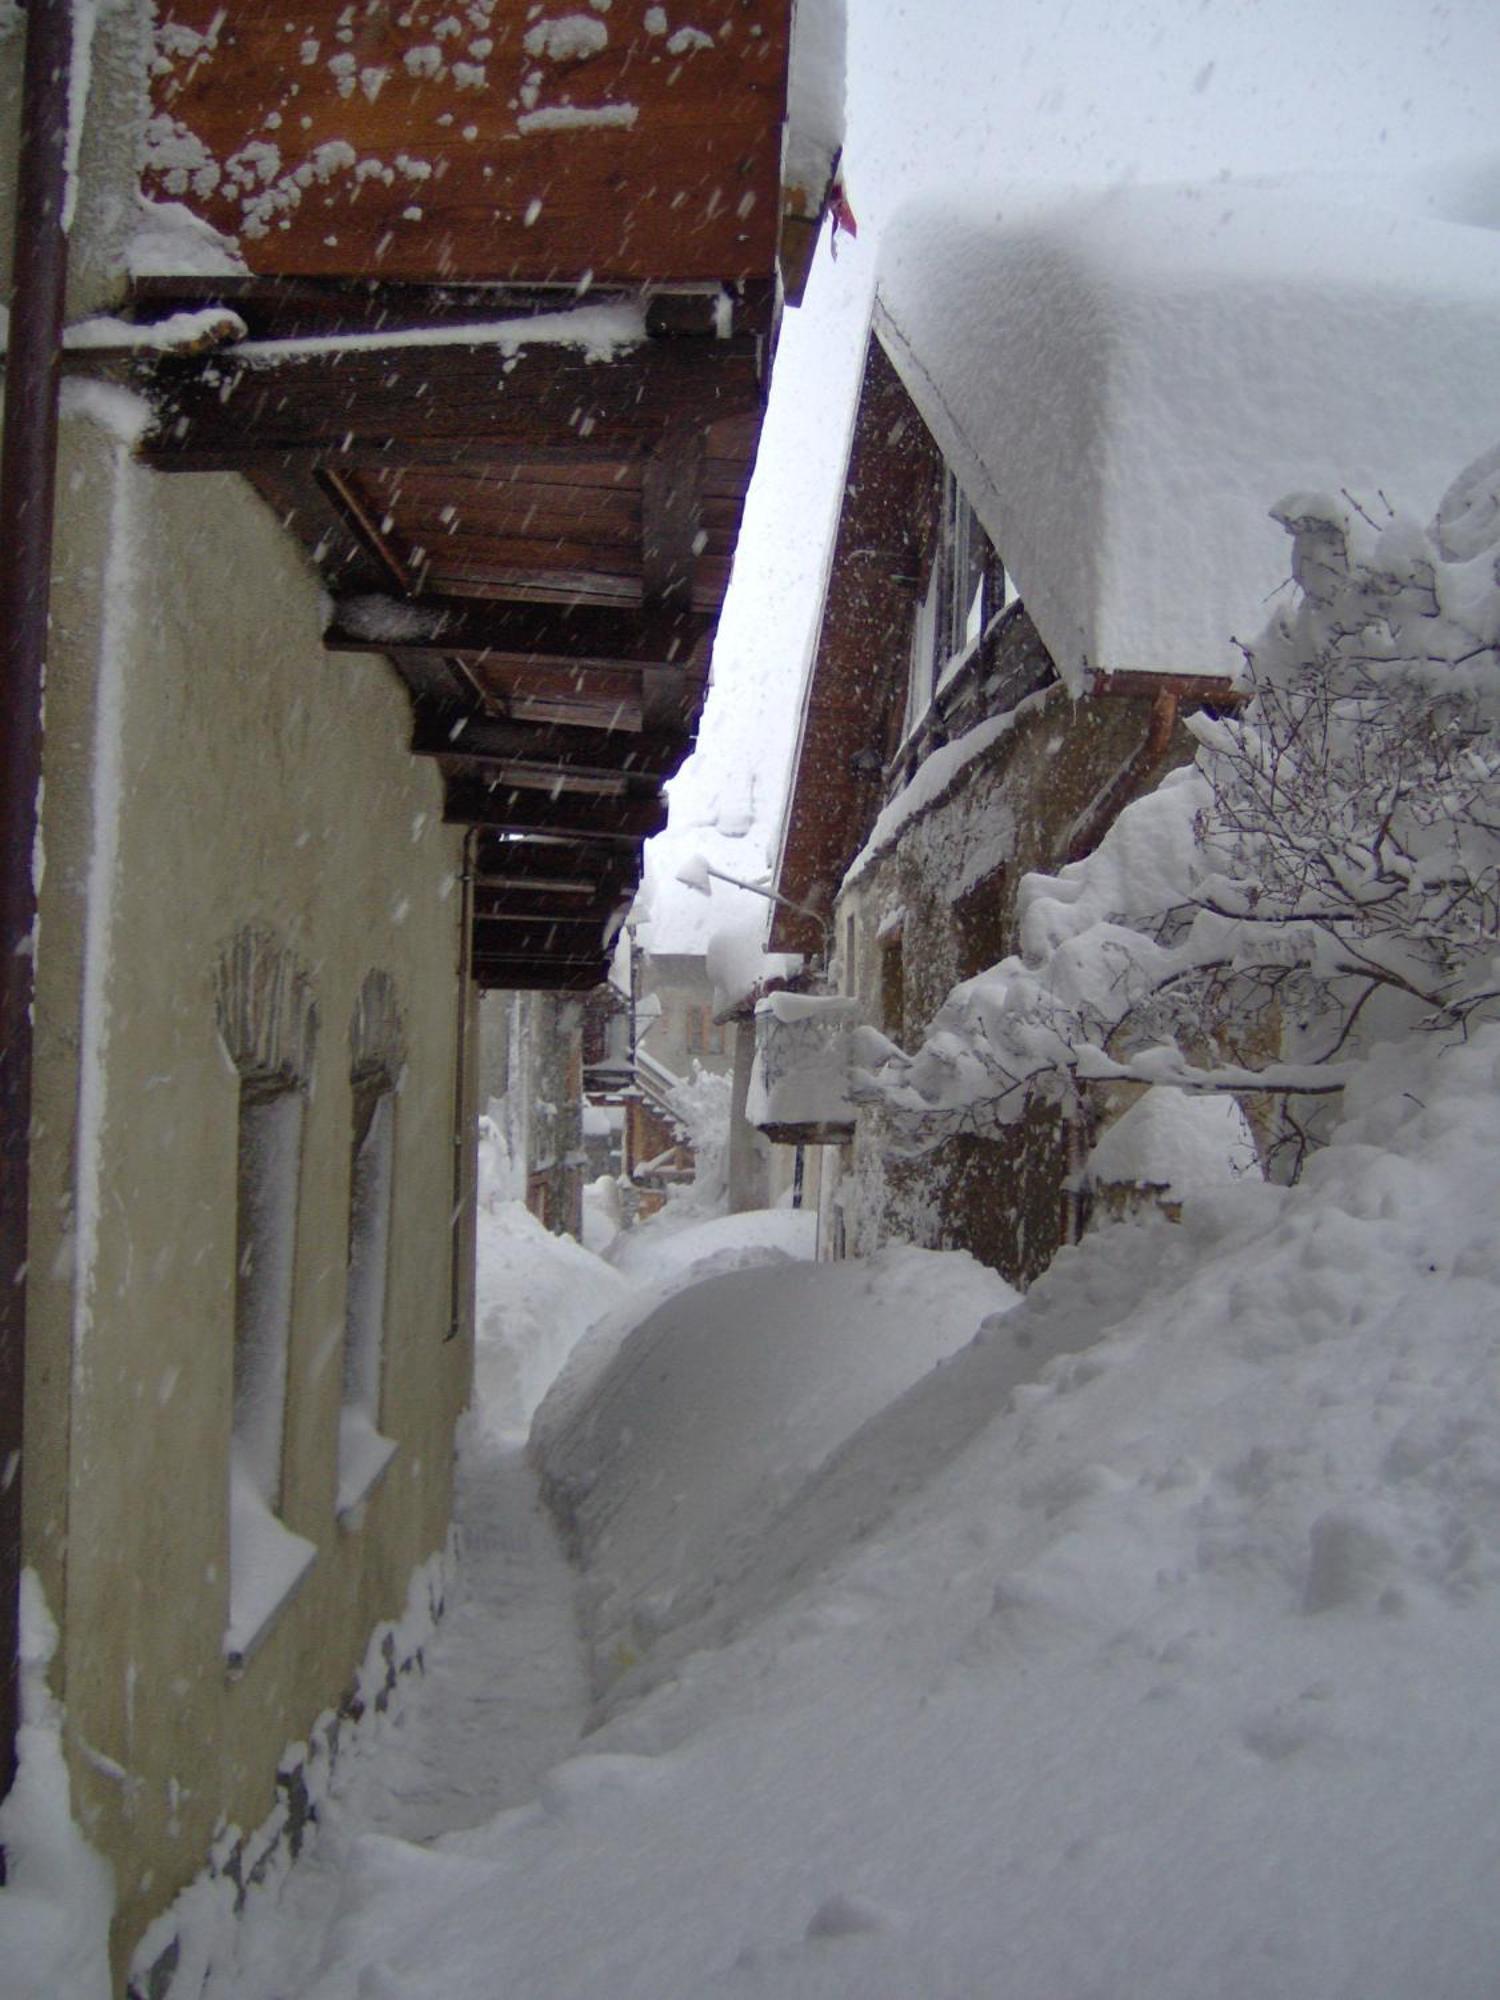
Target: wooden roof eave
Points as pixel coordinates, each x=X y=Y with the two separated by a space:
x=859 y=664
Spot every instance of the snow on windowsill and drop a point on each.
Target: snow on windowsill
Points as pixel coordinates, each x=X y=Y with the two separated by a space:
x=364 y=1454
x=933 y=776
x=267 y=1566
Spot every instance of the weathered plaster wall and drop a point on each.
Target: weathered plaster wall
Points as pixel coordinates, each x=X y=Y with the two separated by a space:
x=935 y=906
x=208 y=767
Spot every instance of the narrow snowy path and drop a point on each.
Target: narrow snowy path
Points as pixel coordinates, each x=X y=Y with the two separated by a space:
x=504 y=1695
x=503 y=1699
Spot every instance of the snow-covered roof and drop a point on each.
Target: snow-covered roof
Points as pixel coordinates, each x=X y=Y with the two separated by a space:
x=1126 y=383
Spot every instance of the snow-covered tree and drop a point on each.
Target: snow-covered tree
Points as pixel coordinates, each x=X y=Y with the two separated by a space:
x=1327 y=870
x=700 y=1105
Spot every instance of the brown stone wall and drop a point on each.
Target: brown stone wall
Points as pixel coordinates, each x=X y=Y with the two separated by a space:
x=937 y=905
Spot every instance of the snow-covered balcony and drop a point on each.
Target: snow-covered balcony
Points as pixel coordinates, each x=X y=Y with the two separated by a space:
x=799 y=1086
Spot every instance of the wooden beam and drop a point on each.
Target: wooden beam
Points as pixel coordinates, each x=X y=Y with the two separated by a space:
x=286 y=307
x=448 y=402
x=580 y=635
x=482 y=741
x=556 y=862
x=529 y=906
x=468 y=802
x=541 y=975
x=541 y=937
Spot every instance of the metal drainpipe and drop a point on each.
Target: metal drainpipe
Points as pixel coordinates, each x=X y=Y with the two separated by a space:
x=28 y=479
x=465 y=1138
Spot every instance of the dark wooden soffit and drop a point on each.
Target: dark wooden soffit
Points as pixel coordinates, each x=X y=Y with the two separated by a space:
x=534 y=523
x=859 y=668
x=538 y=540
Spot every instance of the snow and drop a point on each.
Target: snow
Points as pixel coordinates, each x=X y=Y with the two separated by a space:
x=267 y=1562
x=180 y=332
x=601 y=331
x=815 y=102
x=579 y=118
x=538 y=1294
x=726 y=801
x=739 y=967
x=800 y=1075
x=1122 y=378
x=59 y=1895
x=569 y=38
x=650 y=1476
x=933 y=776
x=1146 y=1645
x=1178 y=1143
x=1169 y=89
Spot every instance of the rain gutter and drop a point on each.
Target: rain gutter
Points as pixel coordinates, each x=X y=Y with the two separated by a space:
x=28 y=484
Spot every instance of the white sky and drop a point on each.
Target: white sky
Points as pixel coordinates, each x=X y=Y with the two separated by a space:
x=964 y=94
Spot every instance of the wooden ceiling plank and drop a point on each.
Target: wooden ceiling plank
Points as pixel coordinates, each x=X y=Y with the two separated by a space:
x=535 y=976
x=529 y=635
x=345 y=497
x=671 y=518
x=561 y=588
x=468 y=802
x=480 y=740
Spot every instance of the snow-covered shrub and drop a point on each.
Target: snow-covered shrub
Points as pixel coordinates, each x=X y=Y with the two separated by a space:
x=699 y=1106
x=1328 y=869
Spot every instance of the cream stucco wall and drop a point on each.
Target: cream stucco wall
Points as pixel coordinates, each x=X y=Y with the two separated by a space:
x=208 y=767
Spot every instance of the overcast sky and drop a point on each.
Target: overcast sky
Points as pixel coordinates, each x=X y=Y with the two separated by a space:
x=961 y=96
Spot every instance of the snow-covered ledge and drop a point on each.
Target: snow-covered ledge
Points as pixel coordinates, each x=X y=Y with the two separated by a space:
x=268 y=1565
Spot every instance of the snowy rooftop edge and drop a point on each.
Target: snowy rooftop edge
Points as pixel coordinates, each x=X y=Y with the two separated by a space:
x=1126 y=382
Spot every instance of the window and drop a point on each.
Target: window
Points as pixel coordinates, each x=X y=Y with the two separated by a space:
x=892 y=985
x=376 y=1044
x=268 y=1024
x=363 y=1452
x=704 y=1036
x=965 y=584
x=270 y=1155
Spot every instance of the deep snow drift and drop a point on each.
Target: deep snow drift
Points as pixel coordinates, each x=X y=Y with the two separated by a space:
x=1145 y=1646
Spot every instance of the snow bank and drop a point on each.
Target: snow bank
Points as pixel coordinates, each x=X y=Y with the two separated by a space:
x=59 y=1896
x=1121 y=379
x=661 y=1254
x=651 y=1476
x=541 y=1293
x=1178 y=1143
x=815 y=103
x=1147 y=1647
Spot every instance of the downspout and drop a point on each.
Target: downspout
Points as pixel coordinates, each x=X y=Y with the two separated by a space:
x=465 y=1137
x=28 y=484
